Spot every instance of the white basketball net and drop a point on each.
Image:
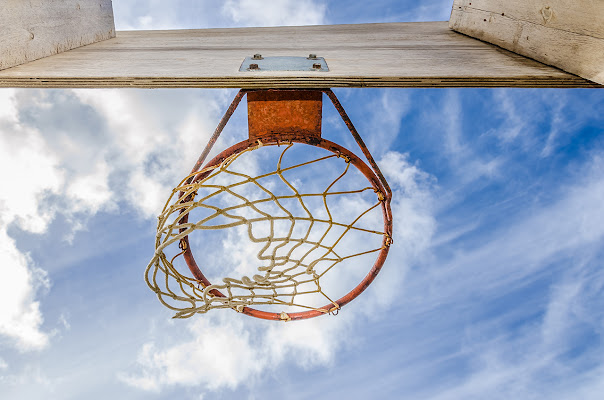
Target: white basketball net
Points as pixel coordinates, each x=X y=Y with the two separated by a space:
x=298 y=246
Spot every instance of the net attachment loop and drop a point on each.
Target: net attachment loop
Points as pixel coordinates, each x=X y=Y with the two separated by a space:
x=388 y=240
x=344 y=157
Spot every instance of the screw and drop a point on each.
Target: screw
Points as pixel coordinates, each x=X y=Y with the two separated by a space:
x=312 y=56
x=254 y=66
x=257 y=57
x=316 y=66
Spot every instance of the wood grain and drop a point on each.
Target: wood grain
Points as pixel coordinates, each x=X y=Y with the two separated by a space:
x=565 y=34
x=30 y=30
x=368 y=55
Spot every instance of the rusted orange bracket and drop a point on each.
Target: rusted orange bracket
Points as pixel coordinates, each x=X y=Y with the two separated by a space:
x=296 y=113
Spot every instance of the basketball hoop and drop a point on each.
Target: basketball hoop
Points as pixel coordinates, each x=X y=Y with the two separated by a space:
x=303 y=236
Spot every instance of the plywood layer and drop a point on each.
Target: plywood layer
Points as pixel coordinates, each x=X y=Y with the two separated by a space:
x=565 y=34
x=33 y=29
x=369 y=55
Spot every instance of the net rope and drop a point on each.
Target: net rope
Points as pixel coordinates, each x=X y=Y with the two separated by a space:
x=283 y=277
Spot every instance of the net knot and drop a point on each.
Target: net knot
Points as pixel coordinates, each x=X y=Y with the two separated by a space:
x=284 y=317
x=388 y=240
x=344 y=157
x=380 y=195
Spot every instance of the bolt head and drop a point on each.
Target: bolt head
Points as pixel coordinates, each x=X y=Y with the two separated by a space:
x=316 y=66
x=257 y=57
x=254 y=66
x=312 y=56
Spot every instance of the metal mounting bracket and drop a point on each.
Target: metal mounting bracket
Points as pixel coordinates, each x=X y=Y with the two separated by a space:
x=259 y=63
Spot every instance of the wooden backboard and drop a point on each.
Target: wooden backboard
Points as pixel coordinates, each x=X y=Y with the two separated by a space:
x=425 y=54
x=566 y=34
x=33 y=29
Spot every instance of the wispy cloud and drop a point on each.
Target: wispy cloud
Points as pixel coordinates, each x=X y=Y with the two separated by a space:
x=255 y=348
x=275 y=13
x=383 y=117
x=119 y=154
x=30 y=173
x=518 y=344
x=540 y=121
x=185 y=14
x=20 y=316
x=233 y=351
x=456 y=143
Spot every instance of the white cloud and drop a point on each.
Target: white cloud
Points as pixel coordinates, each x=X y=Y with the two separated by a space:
x=237 y=349
x=534 y=363
x=457 y=144
x=520 y=350
x=8 y=111
x=76 y=171
x=30 y=378
x=184 y=14
x=158 y=14
x=275 y=13
x=152 y=143
x=386 y=112
x=90 y=192
x=29 y=174
x=511 y=255
x=20 y=316
x=413 y=210
x=434 y=10
x=524 y=126
x=225 y=349
x=516 y=124
x=226 y=354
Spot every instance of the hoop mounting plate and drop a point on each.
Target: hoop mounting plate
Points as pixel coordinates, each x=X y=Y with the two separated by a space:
x=280 y=63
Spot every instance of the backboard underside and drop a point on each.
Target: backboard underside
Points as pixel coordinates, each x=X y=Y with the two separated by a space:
x=422 y=54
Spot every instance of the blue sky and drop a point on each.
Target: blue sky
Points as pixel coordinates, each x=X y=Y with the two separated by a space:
x=493 y=288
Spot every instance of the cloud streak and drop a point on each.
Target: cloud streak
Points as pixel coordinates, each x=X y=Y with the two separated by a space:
x=30 y=175
x=542 y=344
x=187 y=14
x=53 y=174
x=275 y=13
x=259 y=347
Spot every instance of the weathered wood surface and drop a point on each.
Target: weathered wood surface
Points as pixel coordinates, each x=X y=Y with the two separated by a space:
x=566 y=34
x=33 y=29
x=369 y=55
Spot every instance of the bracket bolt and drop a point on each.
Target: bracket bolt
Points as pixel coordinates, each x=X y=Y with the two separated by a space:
x=316 y=66
x=254 y=66
x=258 y=57
x=312 y=56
